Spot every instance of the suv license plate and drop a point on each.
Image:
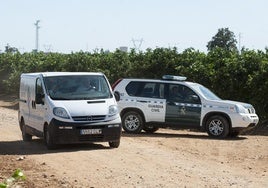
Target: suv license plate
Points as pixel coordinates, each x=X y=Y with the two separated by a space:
x=90 y=131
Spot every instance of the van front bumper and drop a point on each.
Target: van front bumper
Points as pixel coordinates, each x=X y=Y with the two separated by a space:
x=68 y=132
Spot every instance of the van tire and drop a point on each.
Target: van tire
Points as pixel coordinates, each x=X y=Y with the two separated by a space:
x=132 y=122
x=25 y=136
x=48 y=138
x=218 y=127
x=114 y=144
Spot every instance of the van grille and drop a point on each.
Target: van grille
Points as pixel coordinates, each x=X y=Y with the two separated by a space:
x=89 y=118
x=92 y=138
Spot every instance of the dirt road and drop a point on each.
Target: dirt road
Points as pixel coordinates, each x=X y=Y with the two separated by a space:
x=168 y=158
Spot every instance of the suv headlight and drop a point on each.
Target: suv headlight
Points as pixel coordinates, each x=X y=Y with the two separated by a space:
x=240 y=109
x=113 y=110
x=60 y=112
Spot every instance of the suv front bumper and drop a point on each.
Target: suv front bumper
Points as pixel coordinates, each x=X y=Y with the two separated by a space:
x=244 y=120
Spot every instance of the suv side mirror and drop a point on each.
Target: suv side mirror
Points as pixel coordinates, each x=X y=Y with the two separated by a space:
x=39 y=98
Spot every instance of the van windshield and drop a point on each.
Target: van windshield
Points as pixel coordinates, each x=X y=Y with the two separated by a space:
x=77 y=87
x=205 y=92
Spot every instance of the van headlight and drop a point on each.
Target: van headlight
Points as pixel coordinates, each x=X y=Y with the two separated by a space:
x=61 y=112
x=113 y=110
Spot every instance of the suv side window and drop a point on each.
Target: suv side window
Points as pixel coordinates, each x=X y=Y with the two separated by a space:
x=132 y=88
x=183 y=94
x=145 y=89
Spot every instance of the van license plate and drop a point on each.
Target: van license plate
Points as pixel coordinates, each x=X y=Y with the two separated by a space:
x=90 y=131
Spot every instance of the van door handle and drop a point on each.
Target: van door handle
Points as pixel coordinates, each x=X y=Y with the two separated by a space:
x=33 y=105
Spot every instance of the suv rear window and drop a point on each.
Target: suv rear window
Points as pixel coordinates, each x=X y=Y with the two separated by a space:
x=145 y=89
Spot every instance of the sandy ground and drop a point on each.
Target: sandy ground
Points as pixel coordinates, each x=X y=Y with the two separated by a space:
x=167 y=158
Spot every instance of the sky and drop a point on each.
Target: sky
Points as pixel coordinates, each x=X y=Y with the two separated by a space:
x=87 y=25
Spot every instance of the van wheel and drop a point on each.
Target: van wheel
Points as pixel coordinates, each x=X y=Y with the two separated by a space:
x=218 y=127
x=48 y=138
x=114 y=144
x=25 y=136
x=132 y=122
x=150 y=128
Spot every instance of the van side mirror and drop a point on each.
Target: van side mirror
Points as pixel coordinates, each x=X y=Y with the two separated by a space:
x=39 y=98
x=117 y=96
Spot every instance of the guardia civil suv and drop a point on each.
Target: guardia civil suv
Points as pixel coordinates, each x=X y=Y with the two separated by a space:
x=147 y=104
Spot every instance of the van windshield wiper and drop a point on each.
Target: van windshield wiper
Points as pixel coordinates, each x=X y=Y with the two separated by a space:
x=60 y=98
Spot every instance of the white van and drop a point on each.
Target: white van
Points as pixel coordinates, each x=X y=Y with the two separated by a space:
x=68 y=107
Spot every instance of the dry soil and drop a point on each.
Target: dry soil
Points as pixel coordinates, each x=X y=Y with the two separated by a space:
x=167 y=158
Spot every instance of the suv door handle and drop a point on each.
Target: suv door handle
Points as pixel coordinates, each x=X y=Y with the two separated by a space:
x=171 y=103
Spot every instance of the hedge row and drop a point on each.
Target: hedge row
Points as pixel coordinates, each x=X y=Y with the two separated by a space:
x=231 y=75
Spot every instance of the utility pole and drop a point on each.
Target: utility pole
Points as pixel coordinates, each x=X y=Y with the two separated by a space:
x=137 y=43
x=239 y=42
x=37 y=27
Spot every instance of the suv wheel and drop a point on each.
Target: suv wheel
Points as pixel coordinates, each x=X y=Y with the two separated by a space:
x=234 y=133
x=150 y=128
x=132 y=122
x=217 y=127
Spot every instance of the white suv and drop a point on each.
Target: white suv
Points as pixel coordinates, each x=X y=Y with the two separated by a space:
x=147 y=104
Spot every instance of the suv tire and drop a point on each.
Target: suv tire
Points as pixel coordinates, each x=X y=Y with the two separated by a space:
x=132 y=122
x=150 y=128
x=218 y=127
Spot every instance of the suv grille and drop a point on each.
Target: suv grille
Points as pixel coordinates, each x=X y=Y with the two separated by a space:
x=251 y=110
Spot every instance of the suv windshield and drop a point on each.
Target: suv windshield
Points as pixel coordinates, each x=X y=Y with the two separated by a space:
x=77 y=87
x=205 y=92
